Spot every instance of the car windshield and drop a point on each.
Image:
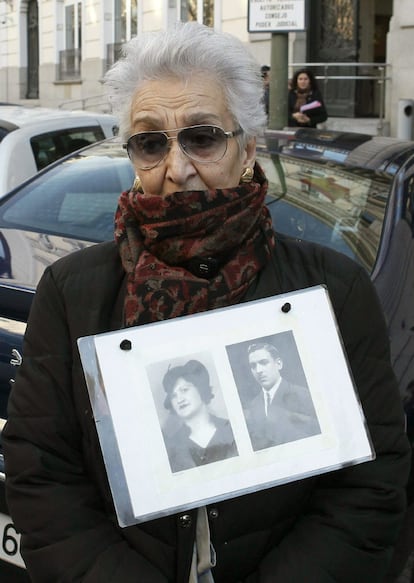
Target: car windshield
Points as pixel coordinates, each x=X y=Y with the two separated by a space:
x=328 y=203
x=76 y=198
x=321 y=201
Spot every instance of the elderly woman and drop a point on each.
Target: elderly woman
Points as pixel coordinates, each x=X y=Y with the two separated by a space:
x=199 y=437
x=193 y=234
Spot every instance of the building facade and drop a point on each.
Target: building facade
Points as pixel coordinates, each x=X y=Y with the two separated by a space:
x=56 y=52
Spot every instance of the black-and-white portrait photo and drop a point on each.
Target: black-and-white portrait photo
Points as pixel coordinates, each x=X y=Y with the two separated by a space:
x=194 y=422
x=208 y=412
x=276 y=400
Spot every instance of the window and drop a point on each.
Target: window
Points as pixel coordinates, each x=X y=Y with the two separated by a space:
x=200 y=10
x=126 y=21
x=51 y=146
x=70 y=58
x=125 y=27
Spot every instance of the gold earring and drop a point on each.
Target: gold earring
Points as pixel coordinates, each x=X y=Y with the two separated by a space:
x=137 y=184
x=247 y=175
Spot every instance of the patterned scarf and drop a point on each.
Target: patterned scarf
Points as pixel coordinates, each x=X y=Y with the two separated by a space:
x=189 y=252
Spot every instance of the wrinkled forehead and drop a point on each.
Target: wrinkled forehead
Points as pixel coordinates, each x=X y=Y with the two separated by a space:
x=179 y=103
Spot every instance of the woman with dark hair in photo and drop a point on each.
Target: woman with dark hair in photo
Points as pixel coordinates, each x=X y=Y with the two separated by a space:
x=306 y=107
x=199 y=437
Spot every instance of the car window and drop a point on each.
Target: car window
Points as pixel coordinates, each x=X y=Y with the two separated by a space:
x=77 y=198
x=3 y=132
x=51 y=146
x=330 y=204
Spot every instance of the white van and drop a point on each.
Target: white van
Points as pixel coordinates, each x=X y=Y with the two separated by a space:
x=32 y=138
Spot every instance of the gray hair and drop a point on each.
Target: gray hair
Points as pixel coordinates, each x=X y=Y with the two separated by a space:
x=181 y=51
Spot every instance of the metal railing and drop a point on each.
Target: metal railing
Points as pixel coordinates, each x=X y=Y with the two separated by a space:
x=94 y=103
x=380 y=76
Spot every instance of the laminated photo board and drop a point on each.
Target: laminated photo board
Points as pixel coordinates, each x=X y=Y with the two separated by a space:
x=159 y=462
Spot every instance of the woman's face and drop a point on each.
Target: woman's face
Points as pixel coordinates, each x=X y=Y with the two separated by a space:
x=174 y=103
x=186 y=399
x=303 y=81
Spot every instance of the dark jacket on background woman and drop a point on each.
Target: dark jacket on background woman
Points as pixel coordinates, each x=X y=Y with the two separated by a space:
x=290 y=530
x=317 y=115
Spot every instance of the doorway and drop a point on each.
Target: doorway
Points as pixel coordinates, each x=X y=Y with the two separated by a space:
x=353 y=31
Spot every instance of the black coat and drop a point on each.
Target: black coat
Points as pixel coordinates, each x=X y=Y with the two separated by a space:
x=290 y=416
x=183 y=453
x=337 y=527
x=317 y=115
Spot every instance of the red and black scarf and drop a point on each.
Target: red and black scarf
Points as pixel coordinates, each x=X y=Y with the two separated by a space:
x=166 y=242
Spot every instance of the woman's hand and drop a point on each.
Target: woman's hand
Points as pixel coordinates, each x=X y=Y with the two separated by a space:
x=301 y=117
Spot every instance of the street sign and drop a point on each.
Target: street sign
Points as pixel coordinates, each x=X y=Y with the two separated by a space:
x=271 y=16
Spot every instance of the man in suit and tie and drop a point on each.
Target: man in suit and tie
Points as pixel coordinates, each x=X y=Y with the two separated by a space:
x=281 y=411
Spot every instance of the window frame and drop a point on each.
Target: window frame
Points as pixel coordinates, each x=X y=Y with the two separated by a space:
x=199 y=5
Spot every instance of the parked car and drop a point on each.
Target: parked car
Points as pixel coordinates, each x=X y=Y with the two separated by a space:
x=33 y=138
x=351 y=192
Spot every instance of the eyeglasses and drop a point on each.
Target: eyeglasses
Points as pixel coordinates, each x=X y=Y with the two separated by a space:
x=202 y=143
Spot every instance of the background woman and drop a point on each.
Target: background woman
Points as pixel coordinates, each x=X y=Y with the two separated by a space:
x=193 y=234
x=306 y=107
x=200 y=437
